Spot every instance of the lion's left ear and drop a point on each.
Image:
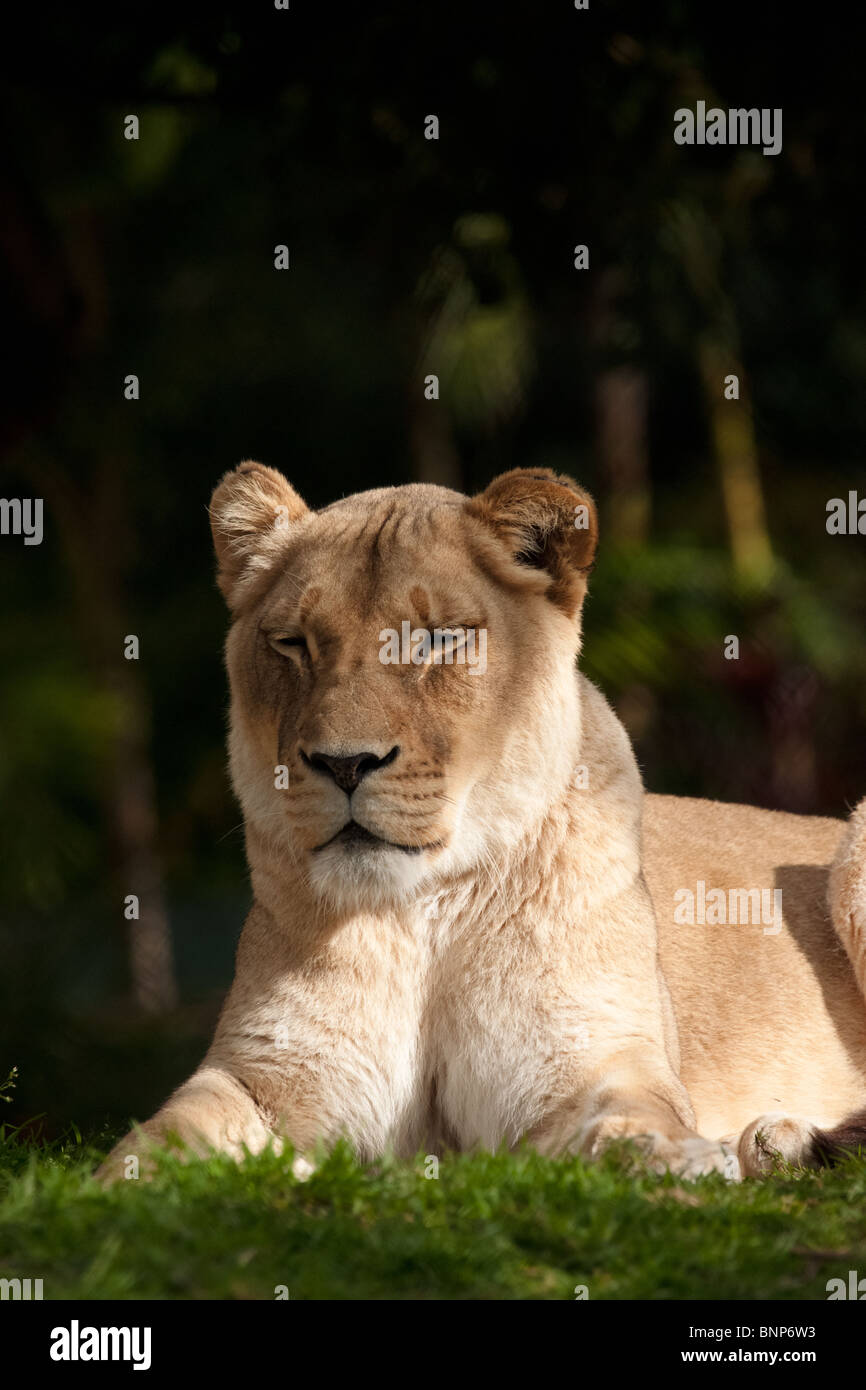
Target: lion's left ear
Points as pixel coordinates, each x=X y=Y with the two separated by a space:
x=546 y=523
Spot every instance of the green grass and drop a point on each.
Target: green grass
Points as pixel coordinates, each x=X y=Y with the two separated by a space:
x=492 y=1226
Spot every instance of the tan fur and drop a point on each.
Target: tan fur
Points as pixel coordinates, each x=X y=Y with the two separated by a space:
x=769 y=1021
x=488 y=969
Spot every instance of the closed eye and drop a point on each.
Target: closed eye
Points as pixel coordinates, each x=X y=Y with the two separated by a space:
x=451 y=639
x=448 y=642
x=287 y=645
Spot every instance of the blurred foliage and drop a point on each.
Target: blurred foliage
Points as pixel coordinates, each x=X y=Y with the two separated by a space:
x=408 y=256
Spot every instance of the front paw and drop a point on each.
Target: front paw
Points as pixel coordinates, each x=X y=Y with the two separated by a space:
x=688 y=1156
x=133 y=1159
x=123 y=1166
x=694 y=1157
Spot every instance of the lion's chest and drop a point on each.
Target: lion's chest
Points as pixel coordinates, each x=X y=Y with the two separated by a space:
x=491 y=1047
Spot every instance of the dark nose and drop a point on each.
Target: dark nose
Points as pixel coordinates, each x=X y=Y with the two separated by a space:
x=349 y=772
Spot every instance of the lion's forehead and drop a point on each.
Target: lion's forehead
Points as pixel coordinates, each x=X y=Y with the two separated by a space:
x=371 y=526
x=419 y=497
x=384 y=555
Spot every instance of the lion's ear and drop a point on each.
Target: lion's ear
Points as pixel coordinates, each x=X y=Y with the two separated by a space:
x=545 y=522
x=251 y=512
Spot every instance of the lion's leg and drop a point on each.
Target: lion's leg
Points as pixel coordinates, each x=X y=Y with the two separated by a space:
x=847 y=893
x=776 y=1136
x=212 y=1111
x=649 y=1107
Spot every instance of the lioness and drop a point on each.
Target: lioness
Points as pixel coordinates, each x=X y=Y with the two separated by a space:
x=453 y=939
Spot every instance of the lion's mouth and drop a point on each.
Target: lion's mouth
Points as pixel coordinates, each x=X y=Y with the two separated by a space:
x=355 y=836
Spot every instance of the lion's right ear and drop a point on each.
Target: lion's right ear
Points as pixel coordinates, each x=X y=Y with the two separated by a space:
x=251 y=511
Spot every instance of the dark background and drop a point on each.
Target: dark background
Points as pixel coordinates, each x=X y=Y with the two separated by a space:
x=408 y=256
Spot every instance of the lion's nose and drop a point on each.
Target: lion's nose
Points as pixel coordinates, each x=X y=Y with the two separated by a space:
x=348 y=772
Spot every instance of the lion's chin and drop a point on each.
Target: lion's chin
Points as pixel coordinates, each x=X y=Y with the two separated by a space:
x=366 y=878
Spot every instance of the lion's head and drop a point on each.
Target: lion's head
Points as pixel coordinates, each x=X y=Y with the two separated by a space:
x=404 y=701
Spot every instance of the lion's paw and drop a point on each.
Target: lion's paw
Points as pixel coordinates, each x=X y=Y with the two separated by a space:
x=689 y=1156
x=772 y=1139
x=694 y=1157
